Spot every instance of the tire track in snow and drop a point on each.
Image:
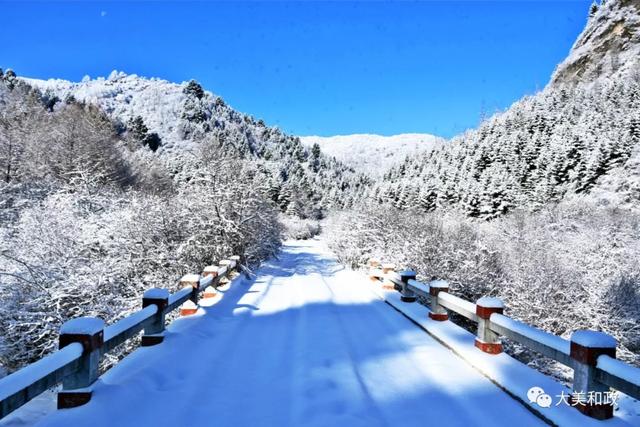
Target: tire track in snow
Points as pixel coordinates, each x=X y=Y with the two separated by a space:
x=351 y=351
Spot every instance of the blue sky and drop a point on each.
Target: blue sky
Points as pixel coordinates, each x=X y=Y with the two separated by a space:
x=310 y=67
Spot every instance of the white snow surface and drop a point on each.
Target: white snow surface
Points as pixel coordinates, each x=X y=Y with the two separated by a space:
x=205 y=281
x=490 y=302
x=543 y=337
x=156 y=293
x=82 y=325
x=593 y=339
x=129 y=322
x=619 y=368
x=419 y=287
x=438 y=284
x=43 y=367
x=189 y=305
x=188 y=278
x=373 y=154
x=457 y=301
x=307 y=343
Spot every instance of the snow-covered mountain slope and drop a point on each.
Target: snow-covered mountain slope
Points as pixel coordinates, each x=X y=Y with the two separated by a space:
x=373 y=154
x=610 y=43
x=181 y=122
x=579 y=137
x=160 y=103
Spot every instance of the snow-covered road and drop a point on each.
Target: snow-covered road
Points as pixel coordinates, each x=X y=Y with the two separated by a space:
x=305 y=344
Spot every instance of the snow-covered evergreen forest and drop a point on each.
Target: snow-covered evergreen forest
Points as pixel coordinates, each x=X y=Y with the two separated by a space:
x=560 y=142
x=579 y=136
x=114 y=185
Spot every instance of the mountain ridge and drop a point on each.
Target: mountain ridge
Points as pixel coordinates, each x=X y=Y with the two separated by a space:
x=579 y=137
x=371 y=153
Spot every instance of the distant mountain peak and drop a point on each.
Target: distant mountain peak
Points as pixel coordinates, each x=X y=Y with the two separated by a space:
x=370 y=153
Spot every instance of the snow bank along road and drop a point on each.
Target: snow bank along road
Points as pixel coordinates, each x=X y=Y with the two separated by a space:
x=305 y=344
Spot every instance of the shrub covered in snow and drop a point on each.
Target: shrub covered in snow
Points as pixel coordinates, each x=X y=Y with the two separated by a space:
x=296 y=228
x=567 y=267
x=76 y=253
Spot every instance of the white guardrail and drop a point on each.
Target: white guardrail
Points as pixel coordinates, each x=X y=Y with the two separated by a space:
x=590 y=354
x=85 y=340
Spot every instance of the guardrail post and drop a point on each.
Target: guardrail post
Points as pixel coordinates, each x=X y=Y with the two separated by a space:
x=210 y=270
x=386 y=283
x=487 y=340
x=224 y=263
x=236 y=260
x=210 y=291
x=154 y=334
x=590 y=396
x=437 y=311
x=407 y=295
x=374 y=264
x=192 y=280
x=88 y=331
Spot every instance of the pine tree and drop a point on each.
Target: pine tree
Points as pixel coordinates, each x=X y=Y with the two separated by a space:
x=285 y=197
x=305 y=190
x=10 y=78
x=598 y=166
x=400 y=197
x=314 y=160
x=70 y=99
x=49 y=99
x=300 y=154
x=194 y=89
x=633 y=133
x=137 y=129
x=153 y=141
x=140 y=133
x=472 y=204
x=295 y=208
x=273 y=190
x=193 y=111
x=428 y=197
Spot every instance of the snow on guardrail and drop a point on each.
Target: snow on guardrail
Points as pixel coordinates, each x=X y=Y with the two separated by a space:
x=590 y=354
x=84 y=340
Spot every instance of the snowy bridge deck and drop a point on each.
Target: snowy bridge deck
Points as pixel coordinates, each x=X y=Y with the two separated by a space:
x=309 y=343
